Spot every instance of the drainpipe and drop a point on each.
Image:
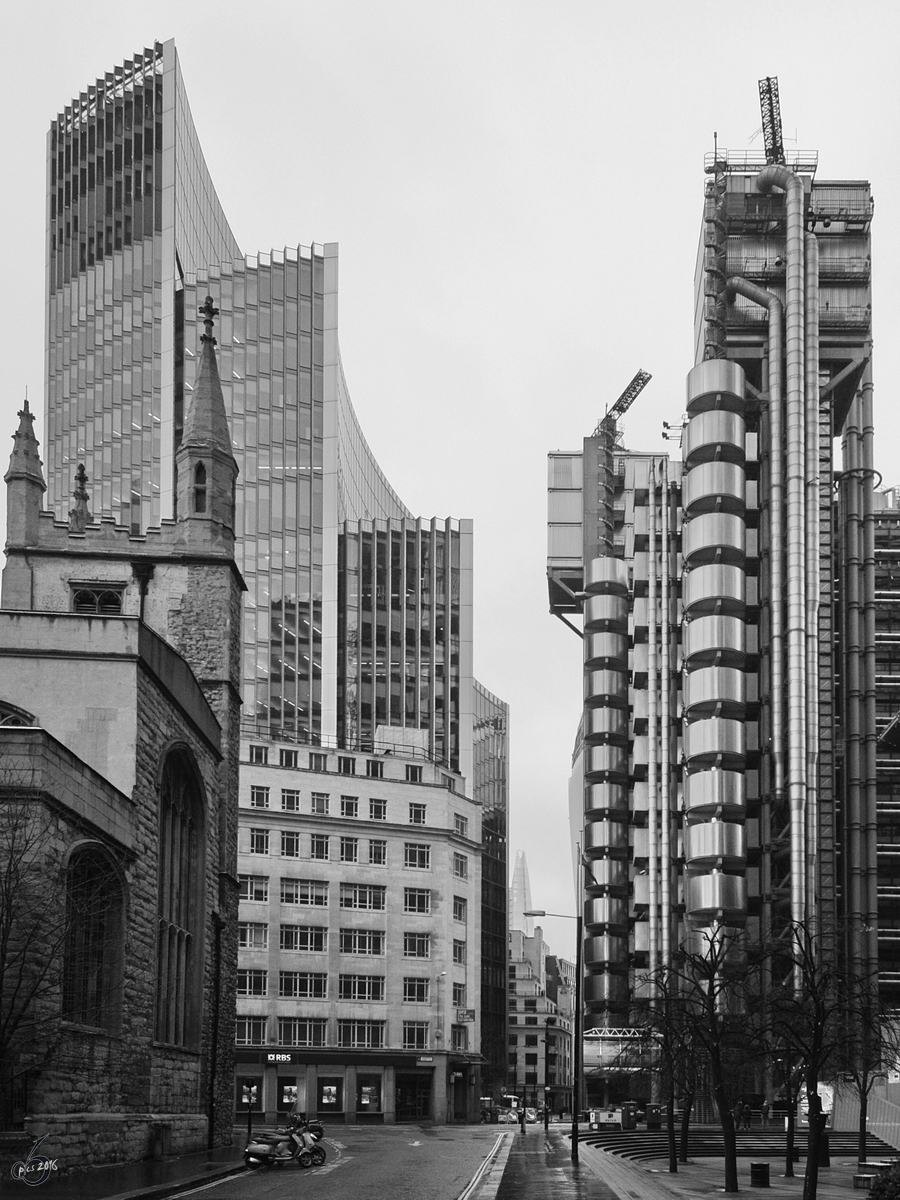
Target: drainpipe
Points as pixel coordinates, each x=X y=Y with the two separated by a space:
x=812 y=573
x=665 y=671
x=743 y=287
x=652 y=693
x=795 y=435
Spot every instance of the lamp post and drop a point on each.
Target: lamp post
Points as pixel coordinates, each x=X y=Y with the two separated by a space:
x=577 y=1057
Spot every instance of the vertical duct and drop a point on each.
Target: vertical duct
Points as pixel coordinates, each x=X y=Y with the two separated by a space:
x=653 y=811
x=812 y=570
x=795 y=441
x=713 y=684
x=715 y=246
x=665 y=753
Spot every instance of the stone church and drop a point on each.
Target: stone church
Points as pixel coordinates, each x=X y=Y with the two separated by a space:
x=119 y=723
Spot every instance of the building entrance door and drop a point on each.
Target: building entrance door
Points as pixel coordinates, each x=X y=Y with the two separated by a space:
x=413 y=1097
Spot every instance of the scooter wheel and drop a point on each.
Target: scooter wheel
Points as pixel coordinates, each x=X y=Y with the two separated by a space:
x=305 y=1158
x=252 y=1163
x=318 y=1155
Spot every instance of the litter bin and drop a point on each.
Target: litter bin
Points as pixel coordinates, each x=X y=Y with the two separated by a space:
x=654 y=1116
x=759 y=1174
x=824 y=1150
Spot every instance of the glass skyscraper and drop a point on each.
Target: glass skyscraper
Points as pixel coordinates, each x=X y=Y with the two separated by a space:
x=358 y=615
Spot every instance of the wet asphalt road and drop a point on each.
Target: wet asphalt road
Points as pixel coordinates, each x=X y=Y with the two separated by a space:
x=399 y=1162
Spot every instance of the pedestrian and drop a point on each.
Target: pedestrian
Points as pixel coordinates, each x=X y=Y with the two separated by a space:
x=522 y=1117
x=764 y=1114
x=747 y=1112
x=736 y=1113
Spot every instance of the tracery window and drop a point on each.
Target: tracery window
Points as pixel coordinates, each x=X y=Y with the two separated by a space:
x=181 y=875
x=92 y=965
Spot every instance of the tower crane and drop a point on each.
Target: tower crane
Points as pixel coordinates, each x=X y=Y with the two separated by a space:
x=625 y=401
x=771 y=119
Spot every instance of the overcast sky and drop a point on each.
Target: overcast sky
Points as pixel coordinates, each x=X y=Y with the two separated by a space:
x=516 y=188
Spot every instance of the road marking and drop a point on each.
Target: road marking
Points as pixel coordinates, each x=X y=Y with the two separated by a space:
x=415 y=1143
x=486 y=1167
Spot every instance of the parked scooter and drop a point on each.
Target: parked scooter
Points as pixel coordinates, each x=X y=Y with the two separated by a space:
x=298 y=1142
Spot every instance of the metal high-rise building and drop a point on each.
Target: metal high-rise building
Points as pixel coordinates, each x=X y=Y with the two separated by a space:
x=728 y=741
x=357 y=627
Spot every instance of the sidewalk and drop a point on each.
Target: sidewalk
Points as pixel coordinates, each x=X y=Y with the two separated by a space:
x=538 y=1166
x=153 y=1180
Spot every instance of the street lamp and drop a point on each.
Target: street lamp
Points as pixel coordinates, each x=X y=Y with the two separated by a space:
x=577 y=1064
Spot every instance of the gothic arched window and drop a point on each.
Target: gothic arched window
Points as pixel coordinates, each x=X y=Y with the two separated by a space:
x=94 y=936
x=200 y=488
x=182 y=854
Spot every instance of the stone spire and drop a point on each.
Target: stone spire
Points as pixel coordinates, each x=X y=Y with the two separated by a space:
x=24 y=483
x=80 y=515
x=205 y=464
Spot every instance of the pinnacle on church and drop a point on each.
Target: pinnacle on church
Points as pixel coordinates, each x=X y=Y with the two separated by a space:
x=25 y=462
x=205 y=422
x=80 y=515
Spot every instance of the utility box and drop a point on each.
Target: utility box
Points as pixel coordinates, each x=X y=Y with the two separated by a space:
x=654 y=1116
x=629 y=1114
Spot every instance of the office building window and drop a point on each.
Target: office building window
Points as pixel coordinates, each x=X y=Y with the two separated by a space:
x=302 y=985
x=460 y=908
x=361 y=1035
x=349 y=806
x=459 y=952
x=252 y=983
x=304 y=891
x=318 y=846
x=250 y=1031
x=318 y=762
x=417 y=855
x=301 y=1031
x=375 y=768
x=417 y=900
x=311 y=939
x=319 y=804
x=252 y=935
x=377 y=853
x=531 y=1039
x=417 y=814
x=459 y=1037
x=362 y=941
x=378 y=810
x=361 y=987
x=290 y=844
x=349 y=849
x=413 y=773
x=259 y=797
x=346 y=766
x=415 y=1035
x=253 y=887
x=460 y=825
x=460 y=866
x=259 y=754
x=290 y=800
x=259 y=841
x=362 y=895
x=415 y=990
x=289 y=758
x=459 y=995
x=417 y=945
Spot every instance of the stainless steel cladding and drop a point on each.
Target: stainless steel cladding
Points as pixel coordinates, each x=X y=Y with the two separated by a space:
x=714 y=639
x=714 y=537
x=715 y=844
x=709 y=792
x=714 y=642
x=605 y=729
x=716 y=896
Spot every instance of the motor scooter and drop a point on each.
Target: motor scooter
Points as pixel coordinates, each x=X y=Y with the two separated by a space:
x=295 y=1143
